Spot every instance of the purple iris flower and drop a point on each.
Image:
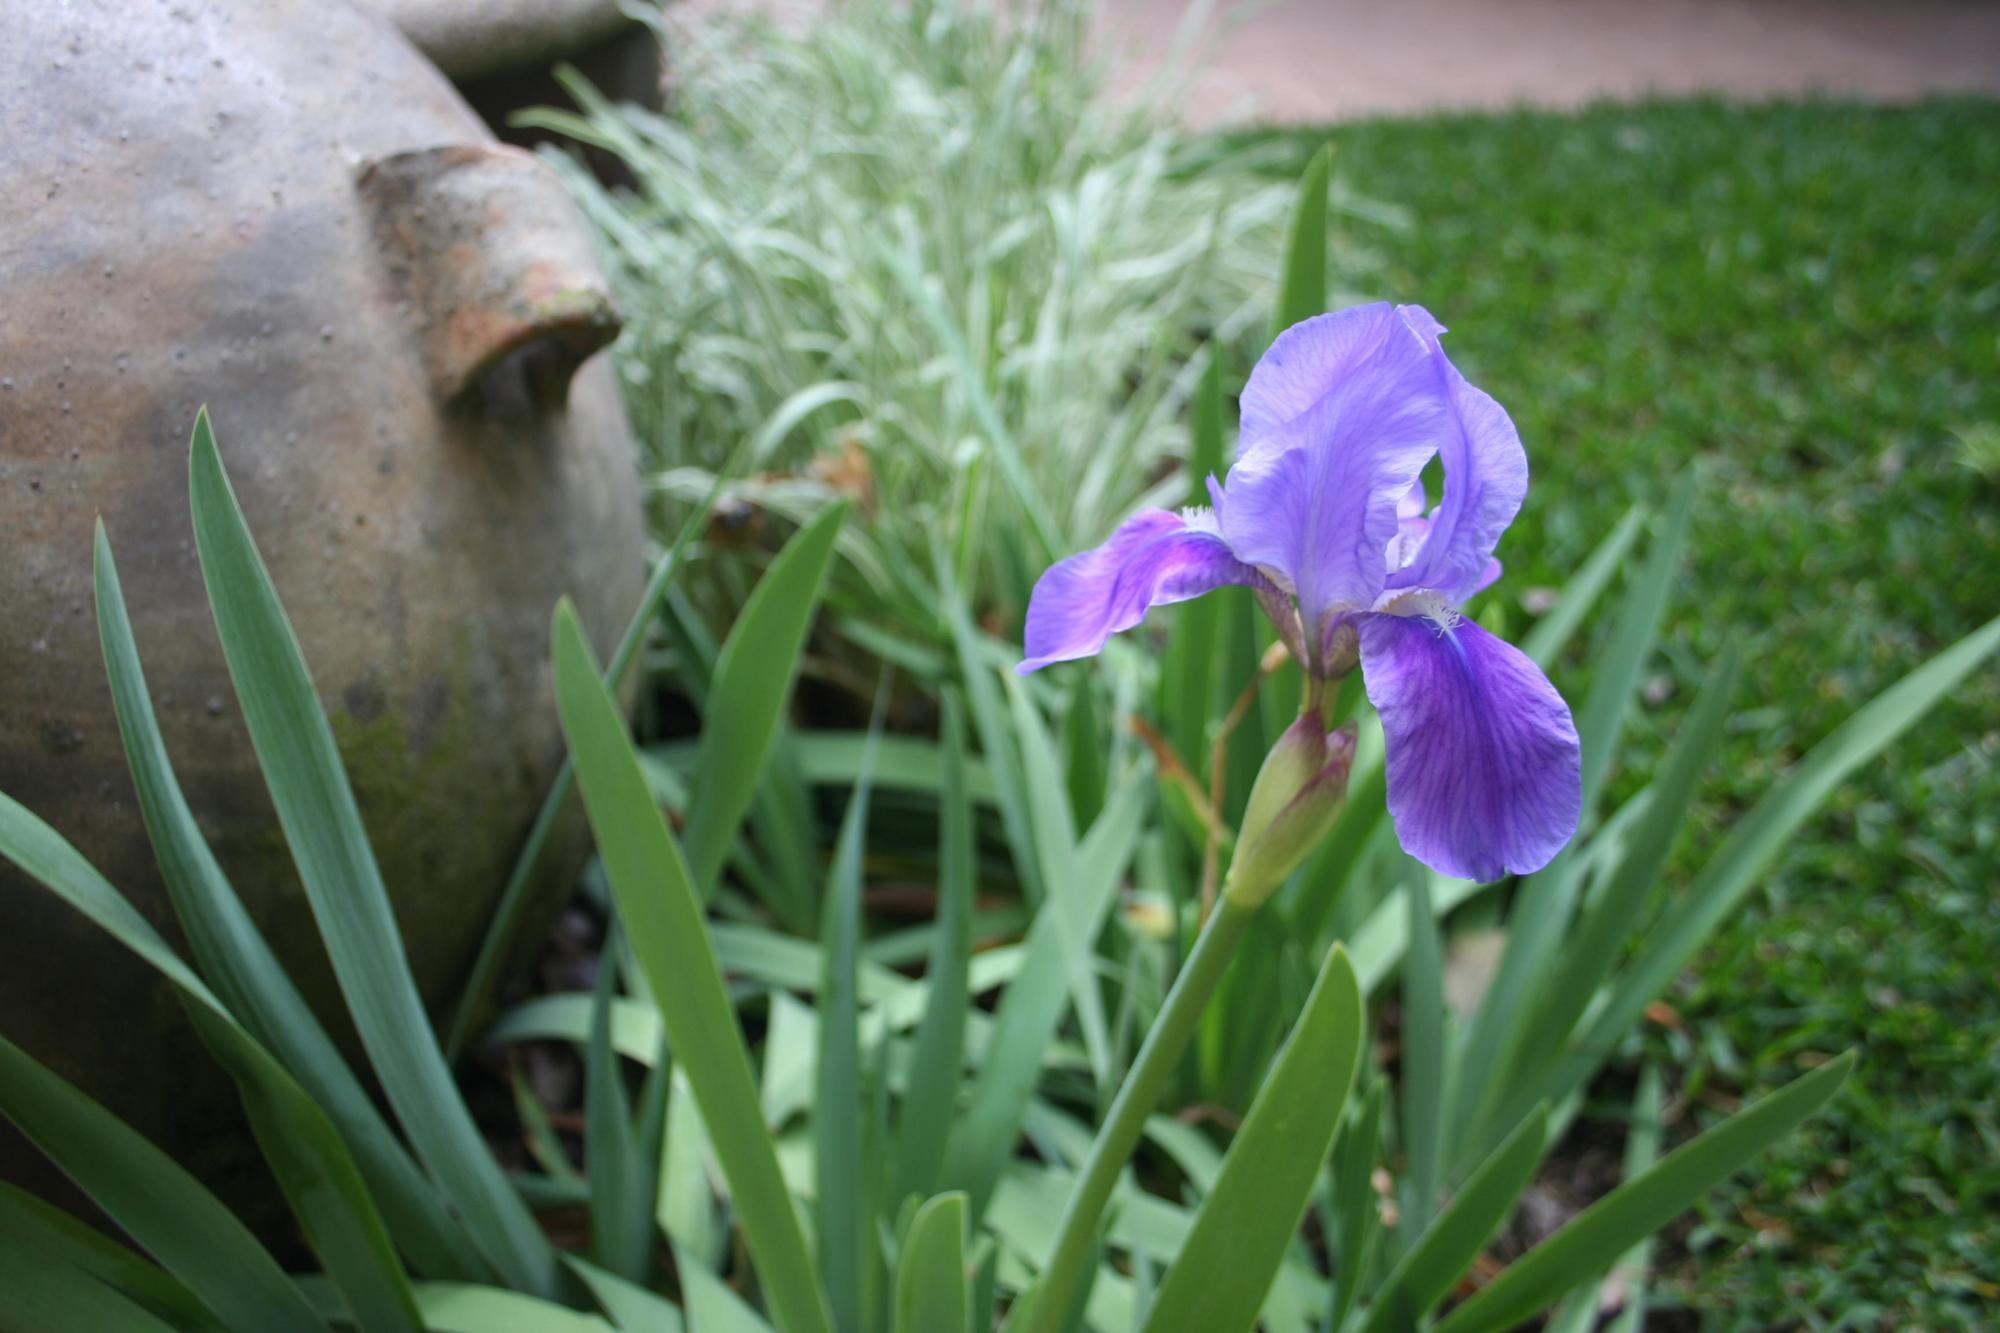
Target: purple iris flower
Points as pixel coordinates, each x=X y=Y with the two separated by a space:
x=1323 y=514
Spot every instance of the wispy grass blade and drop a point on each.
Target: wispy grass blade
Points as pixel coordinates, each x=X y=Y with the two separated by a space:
x=458 y=1307
x=932 y=1295
x=1594 y=1239
x=1551 y=634
x=786 y=831
x=713 y=1306
x=322 y=824
x=992 y=720
x=633 y=1308
x=1056 y=846
x=1248 y=1220
x=304 y=1152
x=846 y=1248
x=1357 y=1217
x=248 y=979
x=1032 y=1008
x=538 y=1133
x=1423 y=1065
x=1303 y=293
x=620 y=1234
x=1615 y=678
x=28 y=1225
x=902 y=763
x=1760 y=835
x=1000 y=441
x=930 y=1096
x=753 y=679
x=505 y=924
x=1084 y=760
x=1447 y=1248
x=661 y=909
x=1187 y=675
x=649 y=1150
x=153 y=1199
x=1642 y=1149
x=1596 y=946
x=685 y=1209
x=43 y=1292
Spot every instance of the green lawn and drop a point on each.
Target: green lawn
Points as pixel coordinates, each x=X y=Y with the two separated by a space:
x=1804 y=301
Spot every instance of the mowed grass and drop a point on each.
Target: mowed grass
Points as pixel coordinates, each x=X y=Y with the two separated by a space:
x=1803 y=301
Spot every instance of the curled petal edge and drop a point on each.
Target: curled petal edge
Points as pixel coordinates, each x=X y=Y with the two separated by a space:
x=1154 y=558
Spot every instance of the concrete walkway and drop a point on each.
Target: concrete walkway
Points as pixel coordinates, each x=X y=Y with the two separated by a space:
x=1306 y=61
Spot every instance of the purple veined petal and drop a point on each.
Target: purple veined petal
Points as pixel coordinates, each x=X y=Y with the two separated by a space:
x=1315 y=357
x=1407 y=544
x=1154 y=558
x=1484 y=772
x=1412 y=528
x=1416 y=502
x=1314 y=494
x=1303 y=363
x=1485 y=478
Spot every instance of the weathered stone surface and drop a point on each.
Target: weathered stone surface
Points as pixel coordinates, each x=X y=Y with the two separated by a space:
x=279 y=209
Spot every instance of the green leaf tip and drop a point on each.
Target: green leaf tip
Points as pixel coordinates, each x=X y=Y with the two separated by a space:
x=202 y=439
x=564 y=619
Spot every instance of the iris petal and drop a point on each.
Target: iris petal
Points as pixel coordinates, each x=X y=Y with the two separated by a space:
x=1414 y=505
x=1340 y=417
x=1304 y=363
x=1485 y=478
x=1483 y=767
x=1153 y=559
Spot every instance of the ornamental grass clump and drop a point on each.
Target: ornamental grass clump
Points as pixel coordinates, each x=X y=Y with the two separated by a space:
x=921 y=258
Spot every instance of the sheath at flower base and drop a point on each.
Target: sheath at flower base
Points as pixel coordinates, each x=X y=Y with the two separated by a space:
x=1323 y=515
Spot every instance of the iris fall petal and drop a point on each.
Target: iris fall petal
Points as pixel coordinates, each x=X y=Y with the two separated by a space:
x=1484 y=772
x=1154 y=558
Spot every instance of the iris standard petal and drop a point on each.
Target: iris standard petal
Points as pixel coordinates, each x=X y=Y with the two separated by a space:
x=1483 y=768
x=1315 y=357
x=1411 y=533
x=1314 y=495
x=1306 y=361
x=1414 y=505
x=1154 y=558
x=1485 y=478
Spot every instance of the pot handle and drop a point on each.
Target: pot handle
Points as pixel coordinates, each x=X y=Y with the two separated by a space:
x=494 y=265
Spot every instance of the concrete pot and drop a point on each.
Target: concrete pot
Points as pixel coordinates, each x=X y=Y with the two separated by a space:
x=279 y=209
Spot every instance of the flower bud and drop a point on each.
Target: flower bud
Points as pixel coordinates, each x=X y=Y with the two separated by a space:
x=1297 y=797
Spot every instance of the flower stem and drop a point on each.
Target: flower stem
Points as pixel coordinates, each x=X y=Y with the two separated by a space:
x=1071 y=1265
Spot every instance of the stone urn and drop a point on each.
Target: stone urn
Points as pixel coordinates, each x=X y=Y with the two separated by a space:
x=277 y=208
